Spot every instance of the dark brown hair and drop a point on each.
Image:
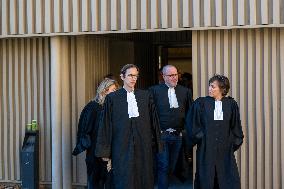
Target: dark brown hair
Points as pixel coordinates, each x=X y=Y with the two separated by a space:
x=223 y=83
x=126 y=67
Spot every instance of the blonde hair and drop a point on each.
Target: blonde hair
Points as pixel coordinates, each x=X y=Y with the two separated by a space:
x=103 y=88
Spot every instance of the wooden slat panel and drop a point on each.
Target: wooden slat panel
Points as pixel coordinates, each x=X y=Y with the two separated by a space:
x=267 y=108
x=260 y=179
x=17 y=122
x=135 y=14
x=34 y=78
x=176 y=10
x=1 y=114
x=219 y=52
x=66 y=4
x=253 y=12
x=125 y=19
x=276 y=11
x=208 y=13
x=227 y=54
x=276 y=86
x=187 y=13
x=30 y=16
x=57 y=7
x=74 y=115
x=22 y=17
x=13 y=17
x=5 y=109
x=4 y=17
x=195 y=59
x=10 y=109
x=115 y=15
x=211 y=54
x=165 y=14
x=39 y=16
x=145 y=14
x=242 y=78
x=156 y=14
x=23 y=89
x=232 y=16
x=105 y=15
x=196 y=13
x=95 y=14
x=265 y=11
x=219 y=7
x=48 y=28
x=41 y=120
x=281 y=49
x=76 y=21
x=47 y=108
x=282 y=12
x=86 y=15
x=251 y=108
x=203 y=62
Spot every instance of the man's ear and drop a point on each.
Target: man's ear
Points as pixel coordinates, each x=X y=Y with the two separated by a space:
x=121 y=76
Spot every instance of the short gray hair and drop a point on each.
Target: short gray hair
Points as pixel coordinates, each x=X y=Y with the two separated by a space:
x=166 y=67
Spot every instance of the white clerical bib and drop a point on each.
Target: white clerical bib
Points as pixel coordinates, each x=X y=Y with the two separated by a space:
x=132 y=105
x=172 y=98
x=218 y=112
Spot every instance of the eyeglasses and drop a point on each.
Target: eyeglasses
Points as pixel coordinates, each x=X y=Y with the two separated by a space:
x=172 y=75
x=133 y=76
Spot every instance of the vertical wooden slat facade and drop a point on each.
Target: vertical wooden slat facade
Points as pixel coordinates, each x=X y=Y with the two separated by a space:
x=22 y=92
x=256 y=75
x=65 y=16
x=25 y=73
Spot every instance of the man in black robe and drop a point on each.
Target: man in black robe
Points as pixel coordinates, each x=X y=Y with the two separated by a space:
x=128 y=126
x=172 y=102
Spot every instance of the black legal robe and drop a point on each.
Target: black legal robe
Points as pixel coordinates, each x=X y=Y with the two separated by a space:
x=174 y=118
x=216 y=140
x=171 y=117
x=86 y=140
x=128 y=141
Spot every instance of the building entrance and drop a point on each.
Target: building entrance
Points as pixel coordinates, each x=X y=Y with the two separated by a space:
x=151 y=51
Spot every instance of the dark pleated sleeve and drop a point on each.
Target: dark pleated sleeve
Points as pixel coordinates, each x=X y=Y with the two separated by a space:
x=104 y=138
x=155 y=125
x=85 y=125
x=190 y=100
x=193 y=124
x=236 y=127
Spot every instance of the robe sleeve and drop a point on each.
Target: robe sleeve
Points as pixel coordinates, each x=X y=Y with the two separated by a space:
x=104 y=137
x=156 y=131
x=85 y=125
x=189 y=100
x=193 y=124
x=236 y=127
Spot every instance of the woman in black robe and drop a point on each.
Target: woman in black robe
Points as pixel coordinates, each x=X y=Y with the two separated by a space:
x=213 y=124
x=87 y=136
